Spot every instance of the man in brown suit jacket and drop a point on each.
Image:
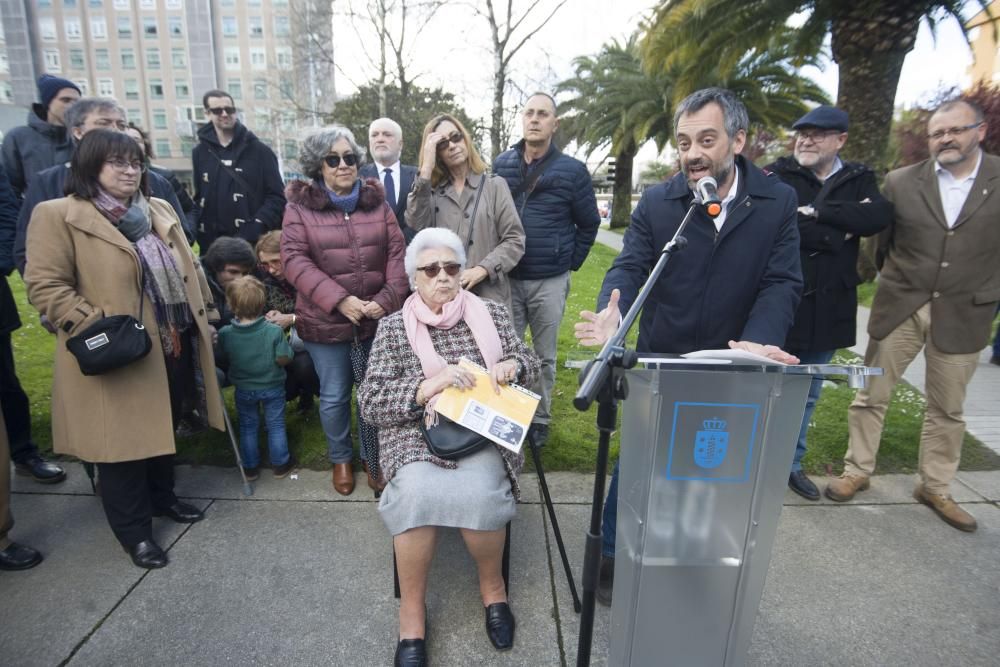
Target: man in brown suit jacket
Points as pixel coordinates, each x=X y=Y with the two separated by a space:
x=938 y=291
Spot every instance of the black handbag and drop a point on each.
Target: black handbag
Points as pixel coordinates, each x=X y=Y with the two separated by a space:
x=448 y=440
x=111 y=342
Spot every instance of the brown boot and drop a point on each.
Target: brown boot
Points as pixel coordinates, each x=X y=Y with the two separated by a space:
x=844 y=487
x=343 y=478
x=947 y=509
x=376 y=485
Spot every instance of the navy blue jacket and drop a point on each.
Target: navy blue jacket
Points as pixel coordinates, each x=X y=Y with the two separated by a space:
x=407 y=175
x=228 y=208
x=827 y=316
x=49 y=184
x=9 y=319
x=559 y=215
x=740 y=284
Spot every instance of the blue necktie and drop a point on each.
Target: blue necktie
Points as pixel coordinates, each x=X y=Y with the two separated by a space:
x=390 y=188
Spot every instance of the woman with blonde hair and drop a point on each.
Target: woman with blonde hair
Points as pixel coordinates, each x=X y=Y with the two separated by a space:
x=453 y=191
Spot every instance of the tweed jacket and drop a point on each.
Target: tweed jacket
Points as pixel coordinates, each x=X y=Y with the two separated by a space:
x=387 y=397
x=921 y=260
x=494 y=240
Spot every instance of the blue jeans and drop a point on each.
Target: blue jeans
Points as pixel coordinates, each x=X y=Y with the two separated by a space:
x=336 y=380
x=273 y=400
x=822 y=357
x=610 y=517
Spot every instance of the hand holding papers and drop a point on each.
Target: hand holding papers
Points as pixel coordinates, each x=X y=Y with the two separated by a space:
x=746 y=352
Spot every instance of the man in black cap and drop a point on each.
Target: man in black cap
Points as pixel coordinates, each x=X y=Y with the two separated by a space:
x=839 y=202
x=44 y=141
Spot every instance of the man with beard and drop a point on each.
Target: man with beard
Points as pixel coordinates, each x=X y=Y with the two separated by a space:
x=737 y=282
x=938 y=291
x=385 y=143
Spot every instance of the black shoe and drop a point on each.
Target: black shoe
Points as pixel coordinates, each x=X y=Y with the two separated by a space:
x=995 y=360
x=252 y=474
x=148 y=554
x=19 y=557
x=40 y=470
x=606 y=580
x=410 y=653
x=802 y=485
x=181 y=513
x=539 y=434
x=306 y=404
x=285 y=468
x=500 y=626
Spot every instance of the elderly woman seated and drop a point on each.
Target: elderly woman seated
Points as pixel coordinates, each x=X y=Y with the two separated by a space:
x=415 y=357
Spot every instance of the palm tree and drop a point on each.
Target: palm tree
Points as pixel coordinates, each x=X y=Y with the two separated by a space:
x=620 y=104
x=869 y=41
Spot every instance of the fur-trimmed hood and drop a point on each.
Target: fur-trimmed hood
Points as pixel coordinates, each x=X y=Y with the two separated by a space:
x=313 y=196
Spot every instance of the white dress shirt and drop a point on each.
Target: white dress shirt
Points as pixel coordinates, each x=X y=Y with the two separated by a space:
x=730 y=196
x=954 y=192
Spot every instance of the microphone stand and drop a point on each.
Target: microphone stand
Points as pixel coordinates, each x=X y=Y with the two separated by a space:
x=603 y=379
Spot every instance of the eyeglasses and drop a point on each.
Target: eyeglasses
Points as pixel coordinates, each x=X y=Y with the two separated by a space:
x=333 y=161
x=431 y=270
x=123 y=165
x=814 y=136
x=455 y=138
x=218 y=111
x=952 y=131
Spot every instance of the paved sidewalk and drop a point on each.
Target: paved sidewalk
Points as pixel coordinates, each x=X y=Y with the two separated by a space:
x=297 y=575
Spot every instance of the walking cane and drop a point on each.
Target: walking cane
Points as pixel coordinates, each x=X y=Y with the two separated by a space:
x=247 y=488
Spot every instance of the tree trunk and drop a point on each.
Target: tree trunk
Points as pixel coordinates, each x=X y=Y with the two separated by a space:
x=621 y=204
x=496 y=117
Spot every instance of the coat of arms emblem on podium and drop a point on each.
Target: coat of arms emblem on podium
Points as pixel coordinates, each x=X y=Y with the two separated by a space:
x=710 y=444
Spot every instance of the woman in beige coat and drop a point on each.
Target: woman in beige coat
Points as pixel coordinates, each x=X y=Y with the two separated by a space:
x=448 y=184
x=93 y=254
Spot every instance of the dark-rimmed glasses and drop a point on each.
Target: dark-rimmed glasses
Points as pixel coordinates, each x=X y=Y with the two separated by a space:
x=815 y=136
x=218 y=111
x=455 y=138
x=952 y=131
x=333 y=161
x=431 y=270
x=123 y=165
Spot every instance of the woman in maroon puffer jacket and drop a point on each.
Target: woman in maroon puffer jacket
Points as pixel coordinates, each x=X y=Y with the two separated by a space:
x=343 y=251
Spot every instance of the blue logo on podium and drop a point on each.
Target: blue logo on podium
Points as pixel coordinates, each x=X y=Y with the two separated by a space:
x=710 y=445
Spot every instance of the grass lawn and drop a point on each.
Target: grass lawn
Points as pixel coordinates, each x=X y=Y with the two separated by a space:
x=573 y=441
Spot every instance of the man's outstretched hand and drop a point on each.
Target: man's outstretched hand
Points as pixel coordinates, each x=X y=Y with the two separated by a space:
x=597 y=328
x=770 y=351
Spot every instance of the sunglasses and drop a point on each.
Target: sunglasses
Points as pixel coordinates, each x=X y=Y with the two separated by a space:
x=333 y=161
x=455 y=138
x=431 y=270
x=218 y=111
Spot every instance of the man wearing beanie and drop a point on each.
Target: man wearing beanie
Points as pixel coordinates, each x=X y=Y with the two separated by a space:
x=839 y=202
x=43 y=142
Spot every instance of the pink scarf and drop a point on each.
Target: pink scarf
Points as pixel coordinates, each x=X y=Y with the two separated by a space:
x=417 y=316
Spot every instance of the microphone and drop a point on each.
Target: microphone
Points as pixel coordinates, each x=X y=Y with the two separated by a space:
x=708 y=194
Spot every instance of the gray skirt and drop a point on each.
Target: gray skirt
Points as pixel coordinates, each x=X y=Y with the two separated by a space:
x=477 y=495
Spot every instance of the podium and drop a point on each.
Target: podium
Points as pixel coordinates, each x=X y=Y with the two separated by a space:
x=705 y=458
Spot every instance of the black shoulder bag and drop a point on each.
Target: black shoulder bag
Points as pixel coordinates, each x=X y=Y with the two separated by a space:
x=111 y=342
x=450 y=440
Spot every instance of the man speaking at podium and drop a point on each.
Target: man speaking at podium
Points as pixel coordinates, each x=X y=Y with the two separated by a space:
x=737 y=281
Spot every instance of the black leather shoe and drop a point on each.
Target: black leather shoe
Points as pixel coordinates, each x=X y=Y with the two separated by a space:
x=40 y=470
x=410 y=653
x=148 y=554
x=500 y=626
x=181 y=513
x=605 y=581
x=802 y=485
x=19 y=557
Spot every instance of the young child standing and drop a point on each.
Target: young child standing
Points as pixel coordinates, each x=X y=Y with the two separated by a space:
x=256 y=350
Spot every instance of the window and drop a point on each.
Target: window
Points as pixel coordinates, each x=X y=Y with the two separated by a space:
x=156 y=89
x=47 y=29
x=99 y=29
x=84 y=87
x=229 y=28
x=162 y=148
x=147 y=4
x=149 y=28
x=6 y=92
x=178 y=58
x=69 y=3
x=131 y=90
x=45 y=4
x=255 y=26
x=261 y=118
x=52 y=62
x=106 y=87
x=232 y=54
x=128 y=59
x=181 y=90
x=4 y=63
x=72 y=27
x=187 y=145
x=159 y=119
x=258 y=58
x=235 y=89
x=283 y=56
x=291 y=149
x=259 y=89
x=121 y=4
x=153 y=58
x=174 y=26
x=254 y=3
x=281 y=28
x=96 y=3
x=76 y=59
x=134 y=116
x=124 y=24
x=174 y=4
x=102 y=59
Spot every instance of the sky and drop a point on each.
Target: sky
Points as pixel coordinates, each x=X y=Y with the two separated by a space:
x=454 y=53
